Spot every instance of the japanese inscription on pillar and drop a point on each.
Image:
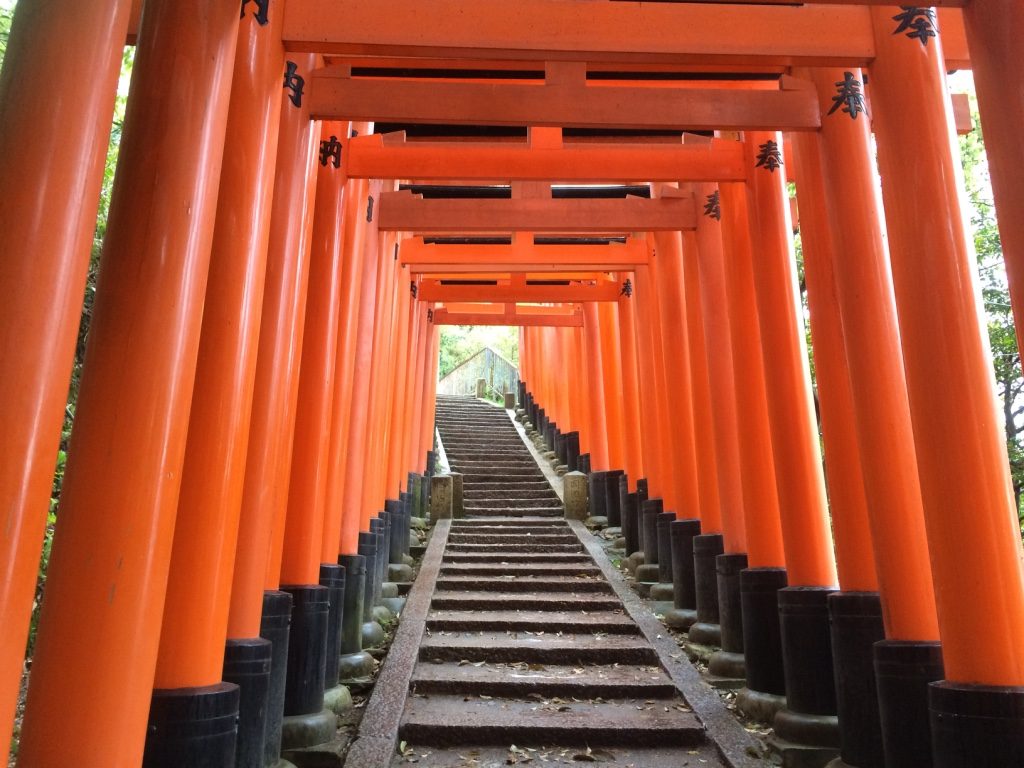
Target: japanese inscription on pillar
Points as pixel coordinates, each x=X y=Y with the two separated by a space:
x=262 y=9
x=713 y=206
x=413 y=289
x=330 y=152
x=916 y=22
x=369 y=208
x=769 y=156
x=627 y=289
x=849 y=96
x=294 y=82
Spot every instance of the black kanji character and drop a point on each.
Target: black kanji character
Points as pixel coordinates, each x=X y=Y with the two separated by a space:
x=849 y=96
x=627 y=289
x=413 y=289
x=294 y=82
x=920 y=21
x=769 y=156
x=330 y=152
x=369 y=209
x=262 y=8
x=713 y=206
x=430 y=315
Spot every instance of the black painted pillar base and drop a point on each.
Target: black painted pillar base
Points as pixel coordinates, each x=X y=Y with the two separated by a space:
x=597 y=489
x=810 y=713
x=572 y=451
x=684 y=588
x=649 y=512
x=333 y=578
x=976 y=725
x=903 y=671
x=729 y=662
x=192 y=726
x=706 y=630
x=765 y=693
x=585 y=463
x=353 y=662
x=247 y=664
x=613 y=506
x=856 y=627
x=275 y=625
x=372 y=632
x=306 y=722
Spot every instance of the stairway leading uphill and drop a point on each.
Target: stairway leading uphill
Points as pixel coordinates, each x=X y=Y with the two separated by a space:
x=527 y=654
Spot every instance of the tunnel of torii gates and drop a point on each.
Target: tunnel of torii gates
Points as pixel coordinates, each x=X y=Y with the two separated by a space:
x=611 y=177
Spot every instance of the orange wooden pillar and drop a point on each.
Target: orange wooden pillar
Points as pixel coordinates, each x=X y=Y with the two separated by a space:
x=611 y=366
x=430 y=394
x=353 y=267
x=257 y=607
x=46 y=232
x=766 y=558
x=399 y=374
x=418 y=402
x=647 y=379
x=807 y=534
x=995 y=30
x=582 y=391
x=354 y=477
x=598 y=446
x=677 y=424
x=634 y=464
x=100 y=627
x=849 y=283
x=195 y=617
x=969 y=516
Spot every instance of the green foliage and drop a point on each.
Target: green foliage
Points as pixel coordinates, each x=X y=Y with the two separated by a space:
x=459 y=342
x=995 y=293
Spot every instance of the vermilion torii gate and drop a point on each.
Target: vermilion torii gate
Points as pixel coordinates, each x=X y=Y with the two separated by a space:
x=256 y=401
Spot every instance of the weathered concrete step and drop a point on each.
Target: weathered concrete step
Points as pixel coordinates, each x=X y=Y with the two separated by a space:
x=523 y=583
x=532 y=569
x=451 y=720
x=511 y=522
x=512 y=539
x=523 y=601
x=533 y=558
x=489 y=527
x=541 y=647
x=469 y=505
x=498 y=472
x=610 y=622
x=505 y=549
x=546 y=754
x=541 y=682
x=515 y=512
x=546 y=493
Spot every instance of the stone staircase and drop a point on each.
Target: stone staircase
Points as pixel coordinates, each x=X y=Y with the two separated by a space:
x=527 y=655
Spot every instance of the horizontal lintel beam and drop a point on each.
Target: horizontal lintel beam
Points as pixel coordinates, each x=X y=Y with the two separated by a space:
x=336 y=96
x=605 y=290
x=405 y=212
x=522 y=256
x=443 y=316
x=566 y=30
x=368 y=157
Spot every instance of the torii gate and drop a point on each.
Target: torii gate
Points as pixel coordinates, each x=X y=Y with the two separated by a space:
x=181 y=478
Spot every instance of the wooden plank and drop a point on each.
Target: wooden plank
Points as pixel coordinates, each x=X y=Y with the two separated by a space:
x=405 y=212
x=443 y=316
x=369 y=157
x=335 y=96
x=605 y=290
x=523 y=256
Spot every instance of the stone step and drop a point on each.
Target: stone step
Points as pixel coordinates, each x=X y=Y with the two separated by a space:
x=545 y=682
x=503 y=494
x=504 y=558
x=512 y=538
x=541 y=647
x=510 y=501
x=551 y=524
x=532 y=569
x=523 y=601
x=501 y=548
x=515 y=512
x=520 y=484
x=610 y=622
x=515 y=582
x=488 y=527
x=445 y=720
x=545 y=754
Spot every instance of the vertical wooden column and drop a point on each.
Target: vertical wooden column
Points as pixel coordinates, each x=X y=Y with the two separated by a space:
x=45 y=236
x=961 y=461
x=580 y=389
x=598 y=447
x=268 y=458
x=647 y=377
x=399 y=376
x=677 y=424
x=353 y=265
x=430 y=388
x=630 y=386
x=46 y=229
x=99 y=631
x=362 y=362
x=961 y=451
x=806 y=533
x=307 y=486
x=709 y=497
x=611 y=364
x=995 y=34
x=195 y=616
x=412 y=455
